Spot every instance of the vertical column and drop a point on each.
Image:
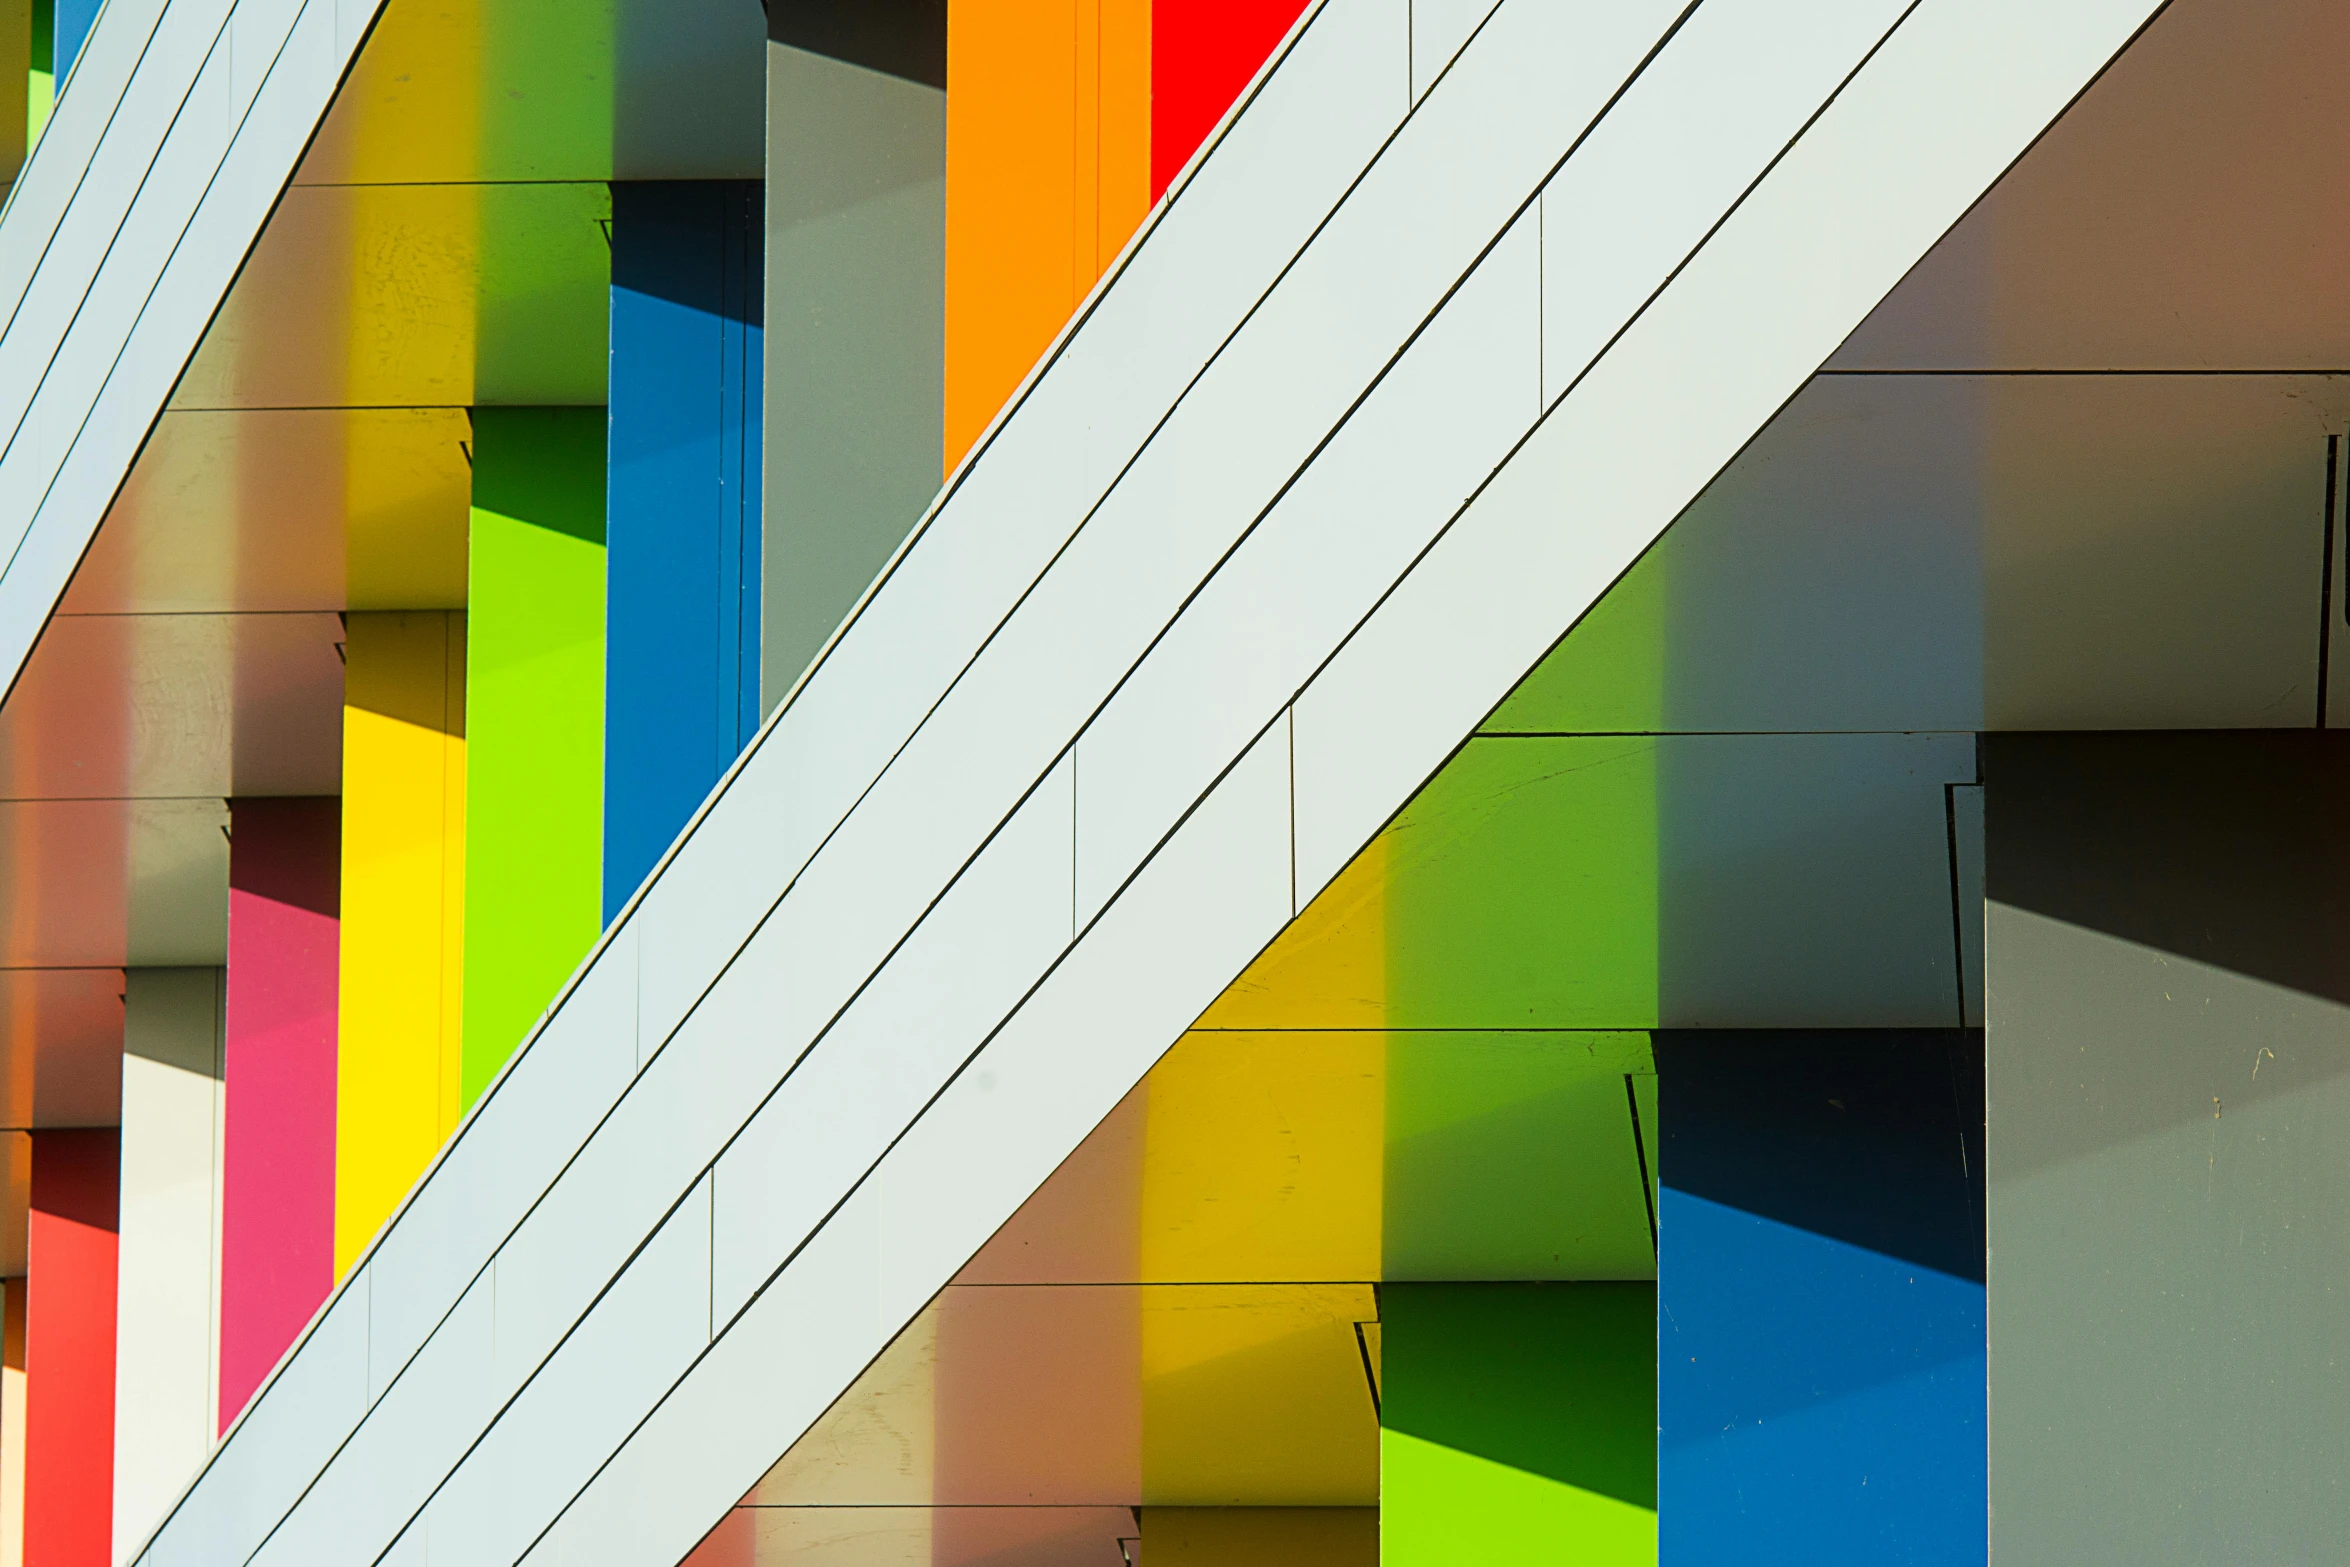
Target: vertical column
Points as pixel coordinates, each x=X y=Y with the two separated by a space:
x=278 y=1177
x=165 y=1387
x=2169 y=1014
x=682 y=521
x=1048 y=173
x=71 y=23
x=402 y=911
x=855 y=285
x=41 y=76
x=1820 y=1297
x=1202 y=54
x=69 y=1349
x=535 y=704
x=1517 y=1423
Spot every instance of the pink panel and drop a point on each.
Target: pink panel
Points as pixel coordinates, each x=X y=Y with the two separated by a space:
x=278 y=1186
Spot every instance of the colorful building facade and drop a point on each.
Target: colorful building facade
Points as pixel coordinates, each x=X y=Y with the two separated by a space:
x=1296 y=781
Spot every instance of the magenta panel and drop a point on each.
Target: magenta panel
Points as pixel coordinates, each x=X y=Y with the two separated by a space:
x=278 y=1182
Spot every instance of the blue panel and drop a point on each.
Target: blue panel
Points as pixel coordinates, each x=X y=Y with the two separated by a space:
x=1820 y=1340
x=73 y=20
x=682 y=525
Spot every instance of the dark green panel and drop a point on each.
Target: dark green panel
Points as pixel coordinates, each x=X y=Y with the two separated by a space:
x=1557 y=1380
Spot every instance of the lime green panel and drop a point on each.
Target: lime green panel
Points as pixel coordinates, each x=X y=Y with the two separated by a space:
x=1440 y=1507
x=1518 y=1423
x=1607 y=676
x=1513 y=1156
x=543 y=330
x=534 y=712
x=1522 y=889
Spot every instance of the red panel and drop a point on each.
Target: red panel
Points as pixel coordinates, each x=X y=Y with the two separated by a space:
x=1203 y=53
x=278 y=1162
x=69 y=1349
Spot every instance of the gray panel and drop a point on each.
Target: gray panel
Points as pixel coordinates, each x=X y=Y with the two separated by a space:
x=855 y=339
x=2169 y=1251
x=1969 y=552
x=1805 y=880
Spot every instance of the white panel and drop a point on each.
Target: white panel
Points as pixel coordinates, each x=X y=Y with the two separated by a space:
x=1439 y=28
x=518 y=1138
x=167 y=1284
x=1206 y=905
x=960 y=974
x=1161 y=315
x=1912 y=141
x=311 y=1402
x=639 y=1339
x=377 y=1479
x=1726 y=96
x=1449 y=411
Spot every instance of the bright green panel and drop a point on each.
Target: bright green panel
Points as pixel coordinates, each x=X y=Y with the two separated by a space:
x=1522 y=889
x=545 y=295
x=1440 y=1507
x=534 y=693
x=1607 y=675
x=1518 y=1423
x=1512 y=1156
x=547 y=73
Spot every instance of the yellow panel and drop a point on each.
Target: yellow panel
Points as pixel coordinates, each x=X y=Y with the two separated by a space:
x=411 y=109
x=409 y=491
x=1329 y=968
x=1255 y=1395
x=1263 y=1157
x=1261 y=1536
x=403 y=864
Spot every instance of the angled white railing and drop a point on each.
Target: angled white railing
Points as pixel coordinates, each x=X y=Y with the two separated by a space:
x=1391 y=392
x=148 y=188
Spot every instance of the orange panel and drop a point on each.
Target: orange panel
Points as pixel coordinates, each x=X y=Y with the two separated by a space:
x=1048 y=172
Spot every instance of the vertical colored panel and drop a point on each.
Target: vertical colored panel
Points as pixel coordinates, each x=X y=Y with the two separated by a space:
x=683 y=527
x=278 y=1176
x=169 y=1239
x=1820 y=1307
x=41 y=77
x=16 y=68
x=1203 y=53
x=1518 y=1423
x=856 y=290
x=71 y=28
x=1041 y=174
x=402 y=904
x=69 y=1350
x=535 y=709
